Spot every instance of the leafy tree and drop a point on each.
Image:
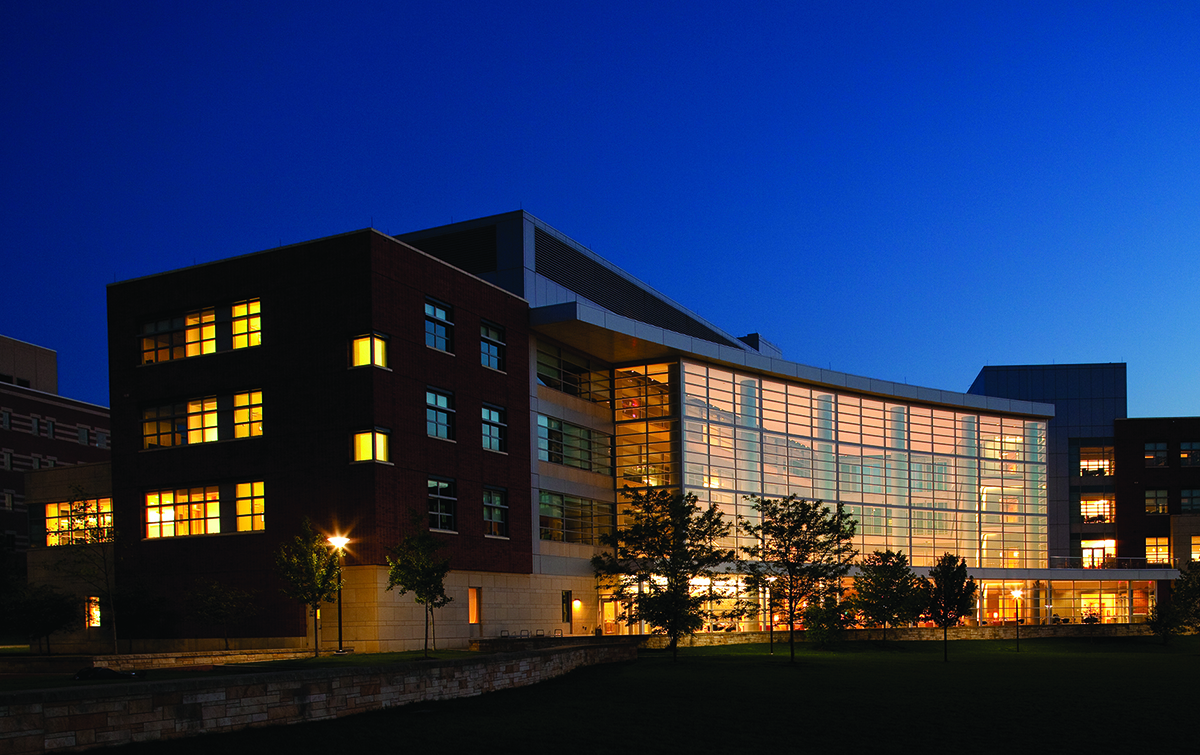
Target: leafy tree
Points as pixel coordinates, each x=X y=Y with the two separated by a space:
x=37 y=611
x=89 y=554
x=887 y=591
x=1182 y=611
x=311 y=573
x=216 y=604
x=413 y=566
x=801 y=550
x=951 y=597
x=668 y=541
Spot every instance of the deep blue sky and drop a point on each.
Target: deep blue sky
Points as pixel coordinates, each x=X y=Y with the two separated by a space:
x=905 y=191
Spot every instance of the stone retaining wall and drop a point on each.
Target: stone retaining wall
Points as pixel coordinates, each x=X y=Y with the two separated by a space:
x=907 y=634
x=79 y=718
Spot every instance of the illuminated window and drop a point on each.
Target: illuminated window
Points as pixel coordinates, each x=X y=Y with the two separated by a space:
x=1156 y=501
x=1097 y=509
x=247 y=414
x=91 y=613
x=79 y=522
x=473 y=605
x=1157 y=550
x=371 y=445
x=247 y=324
x=572 y=519
x=250 y=506
x=192 y=335
x=439 y=414
x=495 y=431
x=202 y=420
x=1189 y=454
x=1156 y=454
x=443 y=500
x=491 y=346
x=495 y=513
x=1189 y=501
x=163 y=426
x=178 y=513
x=1098 y=553
x=369 y=350
x=1196 y=547
x=439 y=326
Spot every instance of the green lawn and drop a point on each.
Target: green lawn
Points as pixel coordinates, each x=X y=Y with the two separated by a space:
x=1060 y=696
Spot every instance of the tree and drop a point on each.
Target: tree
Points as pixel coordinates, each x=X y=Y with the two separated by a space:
x=37 y=611
x=216 y=604
x=311 y=573
x=667 y=541
x=951 y=597
x=1182 y=611
x=414 y=566
x=89 y=555
x=801 y=550
x=887 y=591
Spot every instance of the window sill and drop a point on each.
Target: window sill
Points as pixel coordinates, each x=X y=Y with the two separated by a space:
x=496 y=537
x=365 y=366
x=444 y=532
x=440 y=351
x=444 y=440
x=372 y=461
x=494 y=451
x=493 y=369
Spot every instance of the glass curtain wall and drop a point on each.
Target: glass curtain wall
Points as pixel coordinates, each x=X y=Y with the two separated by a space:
x=920 y=479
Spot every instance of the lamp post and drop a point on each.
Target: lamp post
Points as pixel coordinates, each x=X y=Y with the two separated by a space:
x=1017 y=593
x=339 y=544
x=771 y=614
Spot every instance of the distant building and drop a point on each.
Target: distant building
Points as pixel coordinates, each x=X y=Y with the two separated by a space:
x=38 y=429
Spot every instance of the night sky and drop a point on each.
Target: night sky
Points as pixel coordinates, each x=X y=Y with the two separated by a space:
x=907 y=191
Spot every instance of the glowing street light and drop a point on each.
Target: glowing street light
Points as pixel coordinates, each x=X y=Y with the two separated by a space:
x=339 y=544
x=1017 y=593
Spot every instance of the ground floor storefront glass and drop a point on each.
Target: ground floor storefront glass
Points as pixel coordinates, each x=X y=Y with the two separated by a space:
x=1063 y=601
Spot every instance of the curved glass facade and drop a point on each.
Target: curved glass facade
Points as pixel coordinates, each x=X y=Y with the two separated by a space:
x=923 y=479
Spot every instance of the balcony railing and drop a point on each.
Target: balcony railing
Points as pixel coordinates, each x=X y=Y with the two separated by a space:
x=1110 y=562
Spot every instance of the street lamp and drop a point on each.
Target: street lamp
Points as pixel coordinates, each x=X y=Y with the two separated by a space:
x=339 y=544
x=1017 y=593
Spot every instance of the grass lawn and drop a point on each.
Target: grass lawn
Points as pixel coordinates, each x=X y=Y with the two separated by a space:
x=1059 y=695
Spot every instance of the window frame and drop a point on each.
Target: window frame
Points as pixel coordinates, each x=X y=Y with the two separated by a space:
x=248 y=322
x=192 y=335
x=209 y=521
x=441 y=496
x=494 y=428
x=493 y=346
x=1157 y=501
x=495 y=512
x=439 y=326
x=1155 y=455
x=378 y=446
x=247 y=422
x=439 y=414
x=376 y=348
x=250 y=506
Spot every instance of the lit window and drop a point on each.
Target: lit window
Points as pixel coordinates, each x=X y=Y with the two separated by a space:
x=192 y=335
x=439 y=326
x=247 y=324
x=1196 y=547
x=247 y=414
x=1098 y=553
x=1189 y=501
x=91 y=613
x=250 y=506
x=1189 y=454
x=1096 y=462
x=495 y=513
x=1158 y=551
x=439 y=414
x=473 y=604
x=443 y=500
x=1156 y=501
x=491 y=346
x=1156 y=454
x=178 y=513
x=369 y=350
x=83 y=436
x=202 y=420
x=1096 y=509
x=71 y=522
x=495 y=431
x=371 y=445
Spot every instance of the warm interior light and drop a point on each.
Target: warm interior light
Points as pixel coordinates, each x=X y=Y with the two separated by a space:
x=339 y=542
x=577 y=604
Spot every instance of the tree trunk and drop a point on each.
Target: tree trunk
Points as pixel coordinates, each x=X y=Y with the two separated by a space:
x=428 y=612
x=945 y=643
x=316 y=634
